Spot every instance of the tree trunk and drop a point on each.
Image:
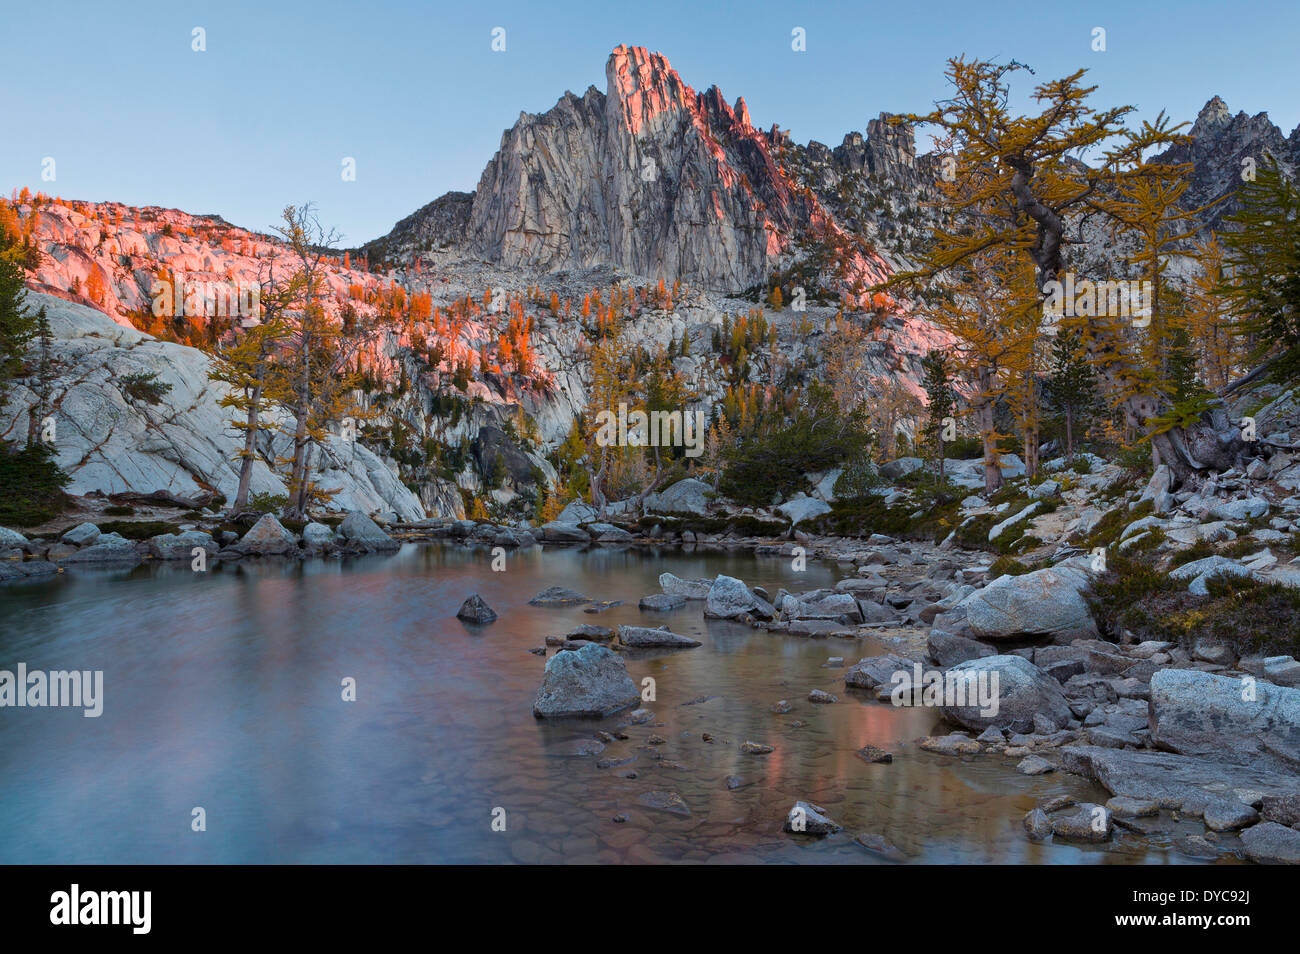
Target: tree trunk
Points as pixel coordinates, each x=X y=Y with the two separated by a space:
x=298 y=476
x=250 y=446
x=988 y=432
x=1069 y=432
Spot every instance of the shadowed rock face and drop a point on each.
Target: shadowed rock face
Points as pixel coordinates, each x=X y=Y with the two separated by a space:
x=1219 y=144
x=650 y=176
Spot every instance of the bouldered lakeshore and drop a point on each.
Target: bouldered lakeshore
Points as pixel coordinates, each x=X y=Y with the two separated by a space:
x=1084 y=723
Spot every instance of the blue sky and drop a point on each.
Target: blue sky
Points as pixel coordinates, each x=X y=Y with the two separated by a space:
x=413 y=91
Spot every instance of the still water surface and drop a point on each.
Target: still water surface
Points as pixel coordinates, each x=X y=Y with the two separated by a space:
x=223 y=690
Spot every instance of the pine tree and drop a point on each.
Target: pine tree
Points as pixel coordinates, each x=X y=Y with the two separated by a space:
x=1263 y=258
x=1071 y=385
x=942 y=401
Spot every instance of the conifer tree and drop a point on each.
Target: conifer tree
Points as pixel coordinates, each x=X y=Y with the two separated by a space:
x=942 y=401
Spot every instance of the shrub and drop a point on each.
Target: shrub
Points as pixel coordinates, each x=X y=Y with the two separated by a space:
x=139 y=529
x=965 y=447
x=1249 y=615
x=1006 y=566
x=817 y=437
x=267 y=503
x=118 y=510
x=143 y=386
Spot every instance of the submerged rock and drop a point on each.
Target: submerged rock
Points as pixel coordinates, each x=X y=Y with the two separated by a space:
x=663 y=801
x=880 y=845
x=590 y=682
x=643 y=637
x=874 y=755
x=806 y=818
x=661 y=602
x=558 y=596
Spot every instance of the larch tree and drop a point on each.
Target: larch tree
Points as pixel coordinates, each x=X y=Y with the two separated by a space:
x=1210 y=318
x=1025 y=185
x=317 y=364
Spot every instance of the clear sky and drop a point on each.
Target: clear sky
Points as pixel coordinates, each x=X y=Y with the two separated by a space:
x=415 y=94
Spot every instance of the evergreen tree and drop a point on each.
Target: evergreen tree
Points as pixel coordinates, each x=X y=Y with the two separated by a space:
x=942 y=401
x=31 y=483
x=1071 y=385
x=1263 y=257
x=18 y=323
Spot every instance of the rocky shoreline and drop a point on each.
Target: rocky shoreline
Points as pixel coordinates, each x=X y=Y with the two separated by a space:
x=1171 y=729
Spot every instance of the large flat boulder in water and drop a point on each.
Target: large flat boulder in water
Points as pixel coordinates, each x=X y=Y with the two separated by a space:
x=559 y=596
x=674 y=585
x=643 y=637
x=1175 y=781
x=587 y=683
x=361 y=532
x=1227 y=720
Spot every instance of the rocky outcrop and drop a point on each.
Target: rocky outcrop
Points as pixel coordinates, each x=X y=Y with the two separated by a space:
x=1218 y=147
x=651 y=176
x=1174 y=781
x=112 y=437
x=1228 y=720
x=689 y=497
